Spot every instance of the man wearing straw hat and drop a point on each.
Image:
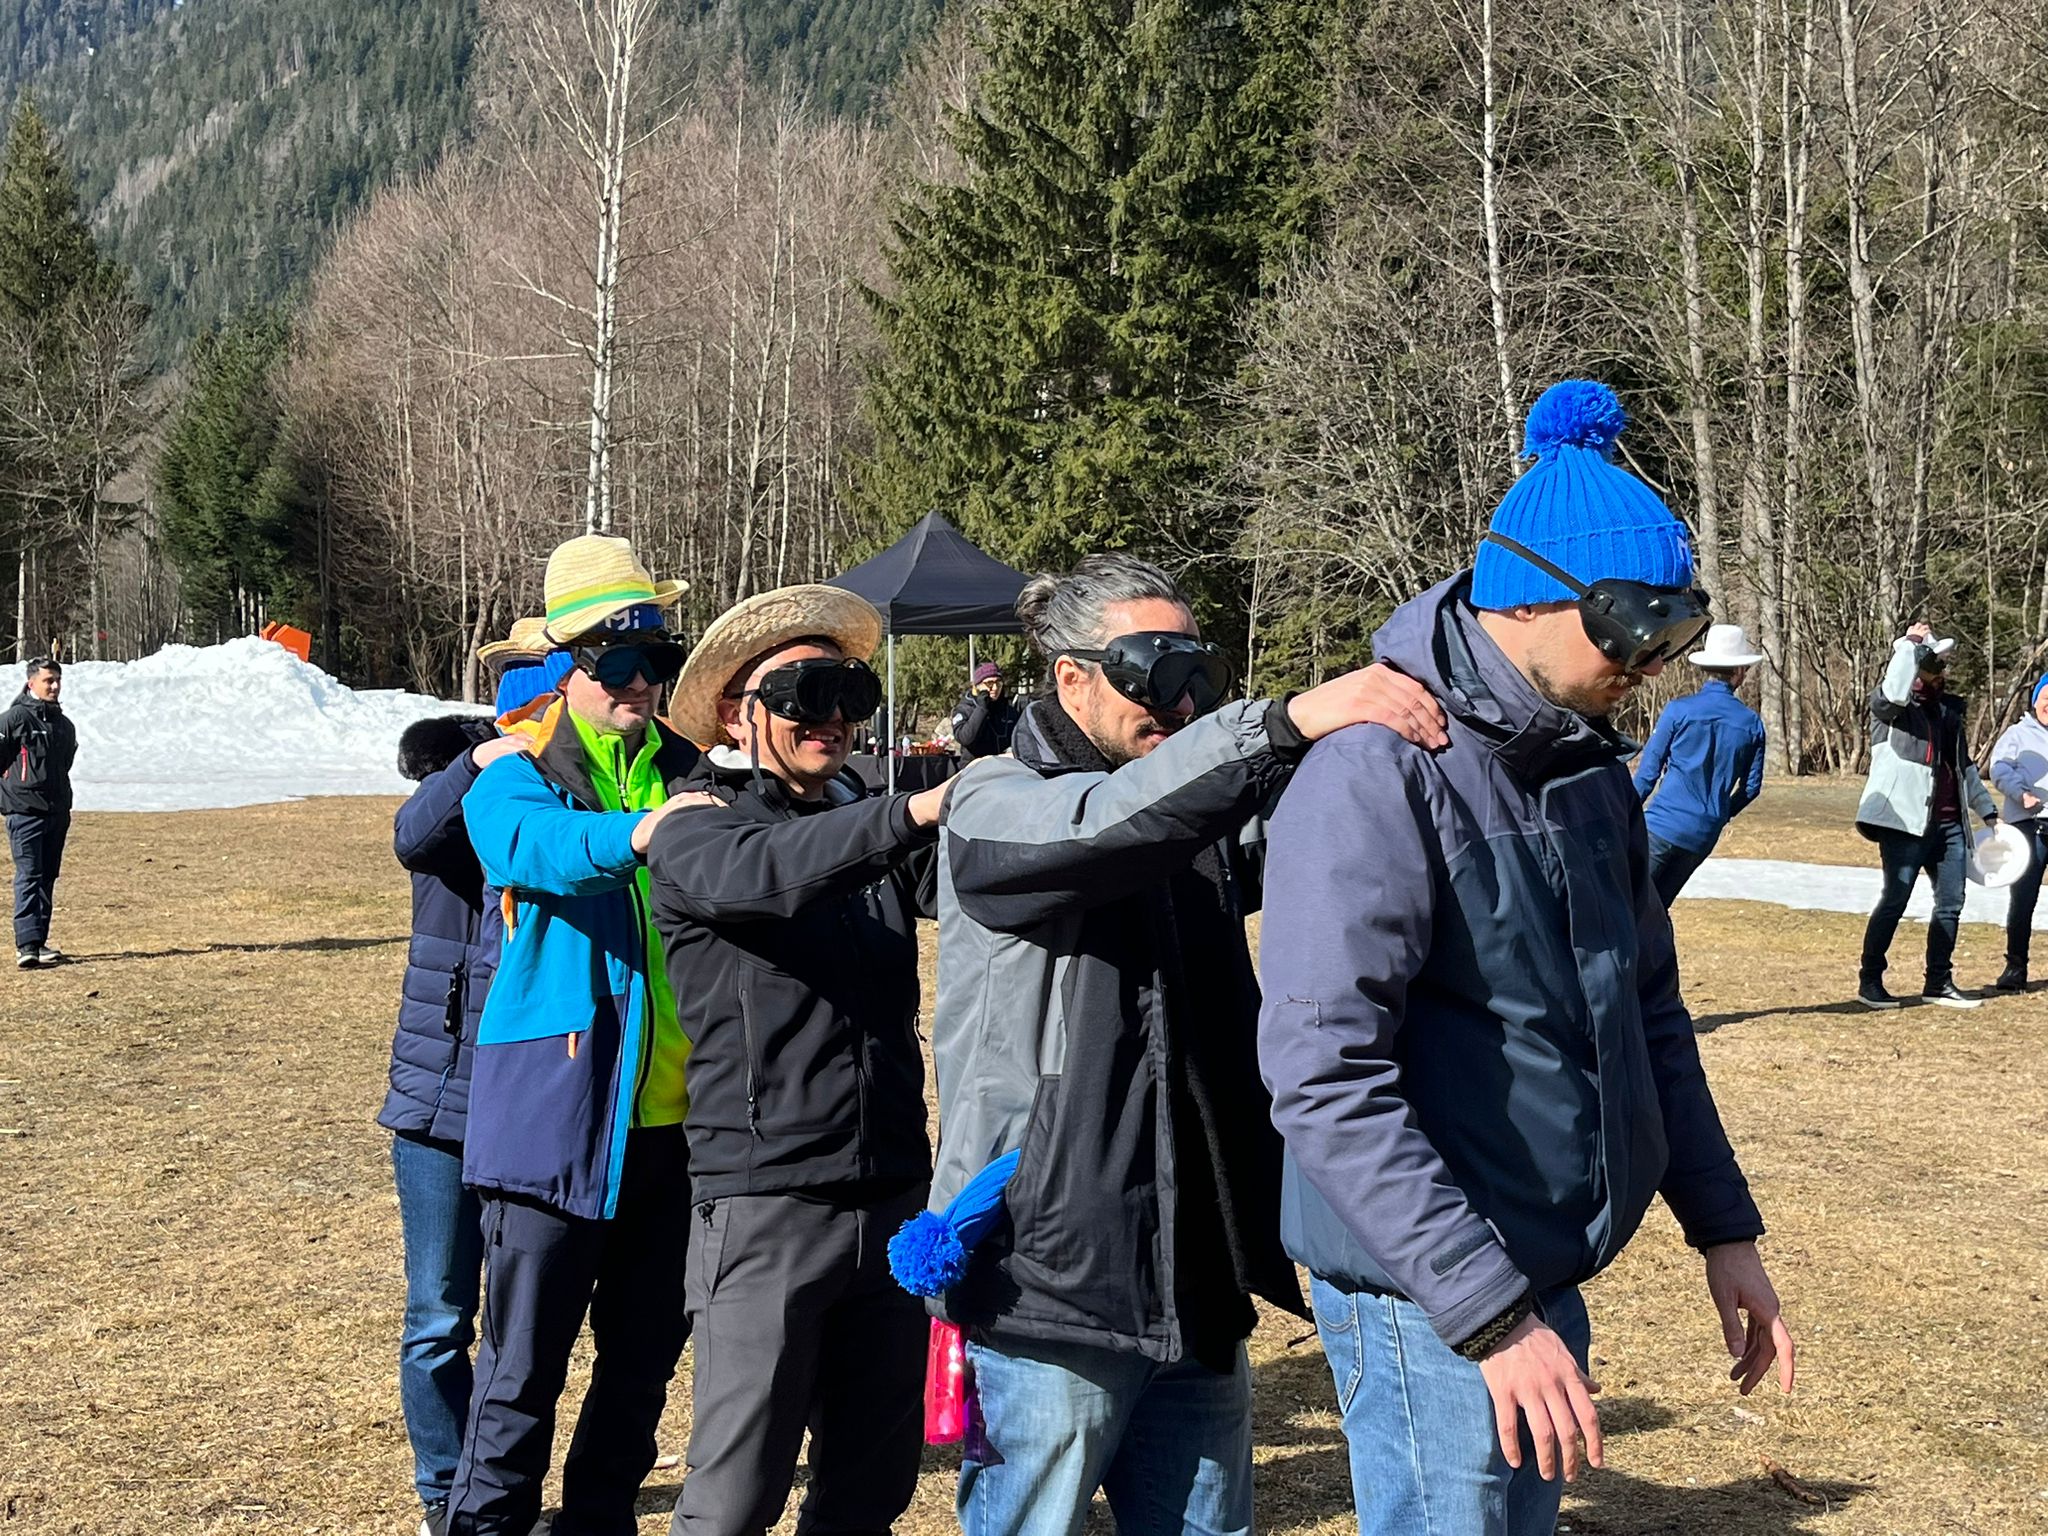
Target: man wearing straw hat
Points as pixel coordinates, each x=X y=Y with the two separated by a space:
x=575 y=1136
x=1703 y=764
x=790 y=919
x=456 y=936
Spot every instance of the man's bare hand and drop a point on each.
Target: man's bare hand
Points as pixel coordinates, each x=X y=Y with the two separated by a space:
x=1376 y=695
x=643 y=834
x=2029 y=800
x=1752 y=1325
x=485 y=753
x=1921 y=633
x=927 y=805
x=1532 y=1376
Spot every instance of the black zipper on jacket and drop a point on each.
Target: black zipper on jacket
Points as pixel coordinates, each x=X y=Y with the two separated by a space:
x=862 y=1150
x=747 y=1029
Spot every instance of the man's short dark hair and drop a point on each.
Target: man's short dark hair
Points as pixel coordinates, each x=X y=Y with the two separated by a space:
x=44 y=664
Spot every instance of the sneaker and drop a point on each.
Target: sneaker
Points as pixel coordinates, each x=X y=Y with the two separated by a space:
x=434 y=1520
x=1871 y=994
x=1948 y=995
x=26 y=959
x=2012 y=979
x=48 y=956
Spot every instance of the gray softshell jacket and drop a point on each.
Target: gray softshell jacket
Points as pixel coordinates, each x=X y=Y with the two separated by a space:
x=1472 y=1029
x=1058 y=973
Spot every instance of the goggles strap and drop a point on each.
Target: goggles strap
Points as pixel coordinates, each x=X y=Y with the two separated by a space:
x=1577 y=587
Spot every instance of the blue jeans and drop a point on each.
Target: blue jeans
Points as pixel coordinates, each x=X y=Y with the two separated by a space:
x=1670 y=867
x=1171 y=1445
x=1943 y=851
x=444 y=1257
x=1425 y=1456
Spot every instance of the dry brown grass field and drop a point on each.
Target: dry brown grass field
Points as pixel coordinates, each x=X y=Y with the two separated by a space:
x=199 y=1267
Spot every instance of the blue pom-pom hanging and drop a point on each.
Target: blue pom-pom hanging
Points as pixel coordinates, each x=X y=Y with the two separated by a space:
x=926 y=1256
x=1576 y=413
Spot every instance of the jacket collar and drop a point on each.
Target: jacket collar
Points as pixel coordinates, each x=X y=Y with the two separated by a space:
x=1437 y=639
x=729 y=772
x=559 y=755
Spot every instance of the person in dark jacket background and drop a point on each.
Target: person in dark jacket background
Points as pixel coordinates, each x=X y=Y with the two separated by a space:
x=456 y=933
x=1096 y=1014
x=1473 y=1032
x=789 y=920
x=985 y=719
x=37 y=747
x=1703 y=765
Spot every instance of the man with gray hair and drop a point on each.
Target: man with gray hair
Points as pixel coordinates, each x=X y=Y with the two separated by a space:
x=1097 y=1012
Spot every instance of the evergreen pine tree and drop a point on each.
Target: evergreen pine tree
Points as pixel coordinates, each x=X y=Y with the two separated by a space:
x=46 y=249
x=1137 y=172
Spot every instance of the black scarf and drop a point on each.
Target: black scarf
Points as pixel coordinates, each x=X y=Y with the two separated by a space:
x=1226 y=1155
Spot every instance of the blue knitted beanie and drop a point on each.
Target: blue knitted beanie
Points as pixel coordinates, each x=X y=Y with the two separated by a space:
x=2035 y=697
x=1580 y=512
x=520 y=686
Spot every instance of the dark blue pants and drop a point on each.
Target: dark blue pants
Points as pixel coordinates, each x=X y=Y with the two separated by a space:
x=2026 y=893
x=1943 y=851
x=1670 y=867
x=37 y=843
x=444 y=1258
x=542 y=1271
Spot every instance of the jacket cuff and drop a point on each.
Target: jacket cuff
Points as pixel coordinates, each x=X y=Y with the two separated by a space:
x=1503 y=1286
x=611 y=841
x=912 y=834
x=1289 y=745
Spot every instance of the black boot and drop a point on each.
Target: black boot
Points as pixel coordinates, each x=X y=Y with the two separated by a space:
x=2013 y=978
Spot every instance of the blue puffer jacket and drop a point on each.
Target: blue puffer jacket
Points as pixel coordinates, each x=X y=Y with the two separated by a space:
x=565 y=1033
x=456 y=932
x=1472 y=1028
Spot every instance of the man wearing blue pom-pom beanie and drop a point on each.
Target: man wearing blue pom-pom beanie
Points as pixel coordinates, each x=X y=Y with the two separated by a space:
x=1472 y=1029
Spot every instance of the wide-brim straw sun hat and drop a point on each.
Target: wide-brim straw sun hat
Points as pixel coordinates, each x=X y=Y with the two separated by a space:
x=593 y=577
x=526 y=641
x=1726 y=646
x=759 y=624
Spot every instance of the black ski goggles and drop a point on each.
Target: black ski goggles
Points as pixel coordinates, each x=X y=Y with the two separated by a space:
x=1158 y=669
x=1632 y=624
x=648 y=653
x=818 y=689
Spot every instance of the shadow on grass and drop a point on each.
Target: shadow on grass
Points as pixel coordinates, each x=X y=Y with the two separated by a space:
x=293 y=945
x=1615 y=1504
x=1713 y=1021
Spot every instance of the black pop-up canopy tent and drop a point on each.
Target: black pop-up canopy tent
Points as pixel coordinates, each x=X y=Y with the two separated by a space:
x=932 y=581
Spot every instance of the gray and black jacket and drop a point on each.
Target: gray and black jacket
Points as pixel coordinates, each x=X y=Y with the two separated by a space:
x=38 y=744
x=1909 y=734
x=1473 y=1031
x=791 y=947
x=1065 y=1019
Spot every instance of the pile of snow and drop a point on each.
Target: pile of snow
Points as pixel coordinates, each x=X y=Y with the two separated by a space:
x=244 y=723
x=1833 y=888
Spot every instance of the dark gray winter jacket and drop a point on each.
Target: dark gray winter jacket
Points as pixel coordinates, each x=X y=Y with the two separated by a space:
x=1472 y=1028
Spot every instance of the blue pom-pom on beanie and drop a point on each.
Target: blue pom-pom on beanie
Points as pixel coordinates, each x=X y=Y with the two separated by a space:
x=928 y=1255
x=1578 y=510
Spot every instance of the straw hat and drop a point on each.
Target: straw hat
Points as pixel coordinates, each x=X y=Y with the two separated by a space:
x=594 y=577
x=759 y=624
x=527 y=641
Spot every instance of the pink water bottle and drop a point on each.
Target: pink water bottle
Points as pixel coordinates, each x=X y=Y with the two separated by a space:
x=945 y=1385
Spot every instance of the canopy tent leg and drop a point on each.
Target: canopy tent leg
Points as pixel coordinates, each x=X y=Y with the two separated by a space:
x=890 y=745
x=970 y=660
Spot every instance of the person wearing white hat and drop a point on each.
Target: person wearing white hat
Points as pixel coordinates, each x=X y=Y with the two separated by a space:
x=1704 y=762
x=2019 y=769
x=1923 y=782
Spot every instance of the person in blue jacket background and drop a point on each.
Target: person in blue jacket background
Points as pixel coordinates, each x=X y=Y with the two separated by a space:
x=575 y=1140
x=1704 y=763
x=454 y=949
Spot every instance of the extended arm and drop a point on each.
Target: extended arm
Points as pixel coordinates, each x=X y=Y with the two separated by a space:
x=715 y=866
x=527 y=840
x=1650 y=767
x=1895 y=694
x=429 y=825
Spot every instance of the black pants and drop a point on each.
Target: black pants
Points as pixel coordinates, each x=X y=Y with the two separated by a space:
x=1670 y=867
x=2026 y=892
x=542 y=1271
x=37 y=843
x=1943 y=852
x=799 y=1325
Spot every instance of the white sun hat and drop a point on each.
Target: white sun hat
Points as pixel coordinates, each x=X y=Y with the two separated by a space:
x=1999 y=856
x=1727 y=646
